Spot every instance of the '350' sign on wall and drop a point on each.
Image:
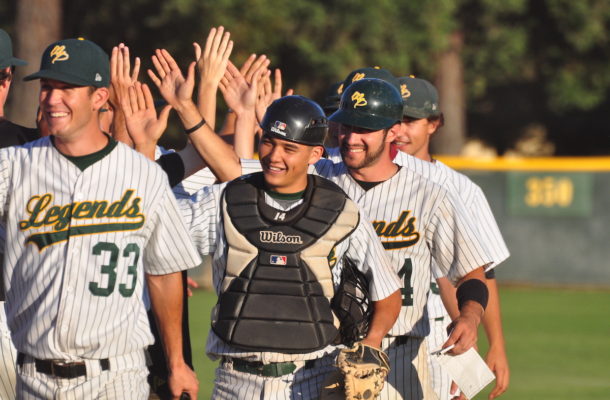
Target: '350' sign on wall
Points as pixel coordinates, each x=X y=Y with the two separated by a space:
x=553 y=194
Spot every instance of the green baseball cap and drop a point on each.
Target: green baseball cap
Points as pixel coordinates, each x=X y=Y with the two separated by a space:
x=419 y=97
x=368 y=72
x=6 y=52
x=75 y=61
x=369 y=103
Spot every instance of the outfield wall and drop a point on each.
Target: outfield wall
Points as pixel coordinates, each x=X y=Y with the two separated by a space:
x=554 y=214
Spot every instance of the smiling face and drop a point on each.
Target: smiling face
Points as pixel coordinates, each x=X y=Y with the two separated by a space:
x=69 y=111
x=363 y=148
x=285 y=163
x=414 y=137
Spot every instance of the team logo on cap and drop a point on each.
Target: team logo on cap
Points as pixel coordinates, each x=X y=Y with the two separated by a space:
x=340 y=89
x=359 y=99
x=59 y=53
x=404 y=92
x=358 y=76
x=278 y=127
x=278 y=260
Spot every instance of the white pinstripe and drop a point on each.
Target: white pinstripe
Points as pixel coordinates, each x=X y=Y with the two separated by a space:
x=202 y=213
x=409 y=377
x=125 y=380
x=483 y=220
x=303 y=384
x=53 y=312
x=445 y=236
x=8 y=359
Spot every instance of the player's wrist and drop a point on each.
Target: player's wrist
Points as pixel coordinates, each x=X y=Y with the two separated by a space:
x=184 y=106
x=472 y=311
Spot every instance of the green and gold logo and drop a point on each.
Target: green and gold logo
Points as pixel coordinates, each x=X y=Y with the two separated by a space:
x=403 y=227
x=359 y=99
x=332 y=258
x=404 y=92
x=60 y=218
x=59 y=53
x=358 y=76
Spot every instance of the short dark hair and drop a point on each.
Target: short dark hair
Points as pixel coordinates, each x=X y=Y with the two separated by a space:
x=440 y=118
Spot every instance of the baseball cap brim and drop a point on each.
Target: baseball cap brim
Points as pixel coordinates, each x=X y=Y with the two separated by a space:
x=366 y=121
x=12 y=62
x=412 y=112
x=57 y=76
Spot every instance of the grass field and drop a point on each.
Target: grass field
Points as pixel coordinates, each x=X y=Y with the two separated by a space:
x=558 y=343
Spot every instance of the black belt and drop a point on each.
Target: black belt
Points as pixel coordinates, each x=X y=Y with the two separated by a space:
x=398 y=340
x=269 y=370
x=62 y=369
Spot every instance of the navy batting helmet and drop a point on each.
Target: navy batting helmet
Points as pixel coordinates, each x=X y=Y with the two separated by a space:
x=297 y=119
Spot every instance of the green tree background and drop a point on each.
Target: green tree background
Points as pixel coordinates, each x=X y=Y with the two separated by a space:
x=526 y=62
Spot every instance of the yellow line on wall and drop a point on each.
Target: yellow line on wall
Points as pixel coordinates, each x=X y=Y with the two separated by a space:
x=591 y=164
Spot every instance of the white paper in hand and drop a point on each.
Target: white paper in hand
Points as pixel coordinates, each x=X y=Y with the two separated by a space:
x=467 y=370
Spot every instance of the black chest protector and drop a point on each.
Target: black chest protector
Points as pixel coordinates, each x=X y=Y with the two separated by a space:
x=276 y=292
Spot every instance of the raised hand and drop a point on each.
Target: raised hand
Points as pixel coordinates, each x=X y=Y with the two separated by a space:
x=253 y=64
x=144 y=126
x=212 y=64
x=267 y=95
x=173 y=86
x=121 y=75
x=239 y=95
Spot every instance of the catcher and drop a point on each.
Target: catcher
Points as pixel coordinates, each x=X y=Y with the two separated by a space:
x=275 y=237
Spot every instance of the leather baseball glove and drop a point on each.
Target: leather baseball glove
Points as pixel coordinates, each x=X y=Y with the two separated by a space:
x=365 y=369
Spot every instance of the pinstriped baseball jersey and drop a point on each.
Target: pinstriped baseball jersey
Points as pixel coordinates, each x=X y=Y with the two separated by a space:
x=334 y=154
x=203 y=216
x=189 y=186
x=8 y=359
x=204 y=177
x=78 y=240
x=418 y=221
x=478 y=210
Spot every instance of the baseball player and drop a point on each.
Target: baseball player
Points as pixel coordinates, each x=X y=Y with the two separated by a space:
x=416 y=219
x=83 y=213
x=10 y=135
x=278 y=239
x=421 y=118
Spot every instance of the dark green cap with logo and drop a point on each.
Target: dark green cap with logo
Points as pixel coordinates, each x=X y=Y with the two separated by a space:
x=369 y=103
x=75 y=61
x=420 y=98
x=6 y=52
x=368 y=72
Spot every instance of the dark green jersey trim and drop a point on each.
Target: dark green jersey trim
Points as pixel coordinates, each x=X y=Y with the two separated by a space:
x=83 y=162
x=285 y=196
x=42 y=240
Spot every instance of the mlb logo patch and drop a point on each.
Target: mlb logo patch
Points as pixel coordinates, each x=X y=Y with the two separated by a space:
x=279 y=260
x=280 y=125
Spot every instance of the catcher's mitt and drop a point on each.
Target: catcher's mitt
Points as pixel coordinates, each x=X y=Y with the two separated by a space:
x=365 y=369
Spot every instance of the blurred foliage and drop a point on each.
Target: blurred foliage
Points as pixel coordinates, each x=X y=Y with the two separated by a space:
x=549 y=57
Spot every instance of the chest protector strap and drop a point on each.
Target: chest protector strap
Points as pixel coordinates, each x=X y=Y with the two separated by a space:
x=276 y=292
